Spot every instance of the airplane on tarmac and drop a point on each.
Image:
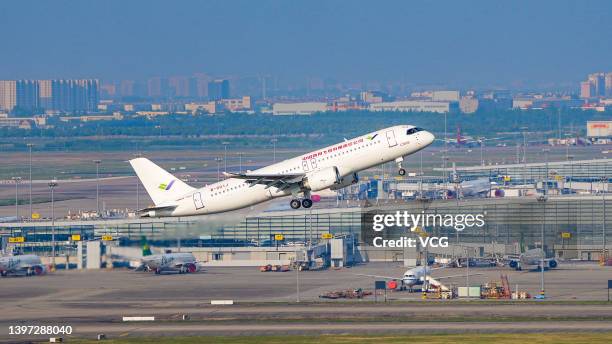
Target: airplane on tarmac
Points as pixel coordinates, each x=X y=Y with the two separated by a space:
x=181 y=262
x=468 y=141
x=27 y=264
x=418 y=276
x=532 y=260
x=333 y=167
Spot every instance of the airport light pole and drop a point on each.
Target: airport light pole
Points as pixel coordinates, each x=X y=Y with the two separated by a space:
x=137 y=186
x=482 y=142
x=274 y=140
x=30 y=145
x=240 y=161
x=52 y=185
x=218 y=160
x=604 y=180
x=567 y=144
x=225 y=144
x=570 y=158
x=544 y=199
x=445 y=150
x=97 y=162
x=524 y=130
x=16 y=180
x=297 y=278
x=467 y=267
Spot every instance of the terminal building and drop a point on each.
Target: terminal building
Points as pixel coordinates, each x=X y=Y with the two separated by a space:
x=571 y=210
x=575 y=227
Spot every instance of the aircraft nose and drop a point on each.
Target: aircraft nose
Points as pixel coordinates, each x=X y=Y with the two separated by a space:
x=410 y=281
x=429 y=138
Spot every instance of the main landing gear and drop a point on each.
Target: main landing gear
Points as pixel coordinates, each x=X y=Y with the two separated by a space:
x=401 y=171
x=296 y=204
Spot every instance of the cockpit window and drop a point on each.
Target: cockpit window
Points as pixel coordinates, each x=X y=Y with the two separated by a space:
x=413 y=130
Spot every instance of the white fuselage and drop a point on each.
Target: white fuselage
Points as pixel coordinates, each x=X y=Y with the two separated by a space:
x=415 y=276
x=170 y=261
x=350 y=156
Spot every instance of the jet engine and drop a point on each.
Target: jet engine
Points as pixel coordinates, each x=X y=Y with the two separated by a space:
x=322 y=179
x=351 y=179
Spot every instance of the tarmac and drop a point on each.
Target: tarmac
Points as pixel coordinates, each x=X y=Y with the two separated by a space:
x=267 y=302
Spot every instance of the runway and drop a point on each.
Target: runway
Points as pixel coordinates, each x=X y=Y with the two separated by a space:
x=265 y=303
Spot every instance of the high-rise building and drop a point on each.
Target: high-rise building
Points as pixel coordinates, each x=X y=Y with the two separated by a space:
x=27 y=95
x=587 y=89
x=609 y=84
x=108 y=90
x=201 y=84
x=157 y=87
x=184 y=87
x=8 y=95
x=57 y=95
x=75 y=95
x=45 y=94
x=598 y=82
x=218 y=89
x=127 y=88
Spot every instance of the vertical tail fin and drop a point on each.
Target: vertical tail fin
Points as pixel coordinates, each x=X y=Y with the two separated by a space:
x=146 y=249
x=161 y=186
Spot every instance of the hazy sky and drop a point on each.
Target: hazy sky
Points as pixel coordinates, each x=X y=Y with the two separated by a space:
x=457 y=42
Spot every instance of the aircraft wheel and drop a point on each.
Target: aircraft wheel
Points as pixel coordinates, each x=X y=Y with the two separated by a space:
x=157 y=271
x=295 y=203
x=3 y=273
x=306 y=203
x=401 y=172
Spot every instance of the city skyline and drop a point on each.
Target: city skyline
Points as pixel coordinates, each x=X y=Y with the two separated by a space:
x=459 y=45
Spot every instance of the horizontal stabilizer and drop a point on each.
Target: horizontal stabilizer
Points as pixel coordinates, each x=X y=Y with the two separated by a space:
x=155 y=211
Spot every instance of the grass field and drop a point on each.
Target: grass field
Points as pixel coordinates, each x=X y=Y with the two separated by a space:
x=515 y=338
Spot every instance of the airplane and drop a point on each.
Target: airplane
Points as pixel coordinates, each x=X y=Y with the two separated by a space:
x=181 y=262
x=27 y=264
x=418 y=276
x=333 y=167
x=532 y=260
x=480 y=187
x=468 y=141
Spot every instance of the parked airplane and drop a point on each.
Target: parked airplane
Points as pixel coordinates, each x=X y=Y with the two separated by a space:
x=27 y=264
x=532 y=260
x=480 y=187
x=181 y=262
x=332 y=167
x=468 y=141
x=418 y=276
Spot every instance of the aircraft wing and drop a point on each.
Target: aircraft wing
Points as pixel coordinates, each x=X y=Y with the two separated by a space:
x=461 y=275
x=383 y=277
x=281 y=181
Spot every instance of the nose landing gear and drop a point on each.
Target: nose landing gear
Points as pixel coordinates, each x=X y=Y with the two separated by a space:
x=401 y=171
